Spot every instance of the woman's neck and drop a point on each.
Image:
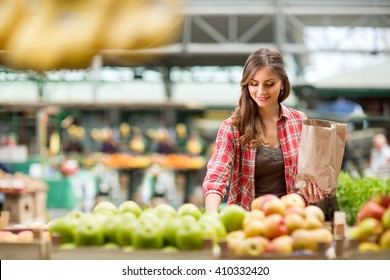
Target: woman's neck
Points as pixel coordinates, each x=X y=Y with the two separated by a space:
x=270 y=113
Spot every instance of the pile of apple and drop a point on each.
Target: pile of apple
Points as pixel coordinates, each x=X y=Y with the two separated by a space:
x=23 y=236
x=279 y=226
x=372 y=230
x=131 y=227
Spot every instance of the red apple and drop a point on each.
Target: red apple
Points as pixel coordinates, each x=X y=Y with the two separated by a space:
x=274 y=206
x=253 y=215
x=252 y=246
x=25 y=236
x=312 y=222
x=294 y=221
x=383 y=200
x=371 y=209
x=366 y=247
x=386 y=219
x=303 y=240
x=384 y=240
x=314 y=211
x=281 y=245
x=366 y=229
x=295 y=209
x=293 y=199
x=322 y=235
x=274 y=226
x=233 y=239
x=254 y=228
x=259 y=201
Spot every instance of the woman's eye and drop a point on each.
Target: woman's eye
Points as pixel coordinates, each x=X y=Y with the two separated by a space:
x=270 y=85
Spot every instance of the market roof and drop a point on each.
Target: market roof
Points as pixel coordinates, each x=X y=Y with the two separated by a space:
x=371 y=81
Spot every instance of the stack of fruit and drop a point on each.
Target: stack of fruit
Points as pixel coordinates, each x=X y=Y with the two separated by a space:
x=130 y=227
x=372 y=230
x=275 y=225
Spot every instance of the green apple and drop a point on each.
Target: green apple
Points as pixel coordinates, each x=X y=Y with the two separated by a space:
x=130 y=206
x=124 y=232
x=232 y=216
x=76 y=214
x=209 y=232
x=110 y=227
x=163 y=210
x=105 y=207
x=170 y=249
x=189 y=209
x=89 y=231
x=148 y=236
x=150 y=216
x=170 y=228
x=190 y=237
x=215 y=222
x=65 y=227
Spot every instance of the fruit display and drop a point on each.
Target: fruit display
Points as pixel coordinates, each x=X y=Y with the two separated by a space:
x=132 y=228
x=277 y=226
x=372 y=229
x=353 y=193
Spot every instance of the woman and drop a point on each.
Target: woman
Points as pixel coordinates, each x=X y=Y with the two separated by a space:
x=256 y=148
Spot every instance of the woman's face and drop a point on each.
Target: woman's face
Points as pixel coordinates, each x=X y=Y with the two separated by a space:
x=264 y=87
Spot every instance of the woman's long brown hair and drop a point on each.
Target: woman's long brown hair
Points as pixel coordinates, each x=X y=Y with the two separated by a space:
x=246 y=116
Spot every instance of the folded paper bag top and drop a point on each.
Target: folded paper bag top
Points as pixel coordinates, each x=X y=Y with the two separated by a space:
x=321 y=152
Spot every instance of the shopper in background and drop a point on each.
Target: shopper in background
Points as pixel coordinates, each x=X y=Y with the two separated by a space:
x=109 y=145
x=256 y=148
x=380 y=153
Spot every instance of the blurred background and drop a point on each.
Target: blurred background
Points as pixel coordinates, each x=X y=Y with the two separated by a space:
x=117 y=100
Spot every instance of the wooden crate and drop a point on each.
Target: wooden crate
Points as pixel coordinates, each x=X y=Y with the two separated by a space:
x=39 y=249
x=101 y=253
x=298 y=255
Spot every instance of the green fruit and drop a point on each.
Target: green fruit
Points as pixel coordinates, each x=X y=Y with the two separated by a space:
x=215 y=222
x=130 y=206
x=189 y=209
x=89 y=231
x=232 y=217
x=189 y=237
x=165 y=210
x=76 y=214
x=65 y=227
x=105 y=207
x=170 y=228
x=124 y=232
x=110 y=228
x=148 y=236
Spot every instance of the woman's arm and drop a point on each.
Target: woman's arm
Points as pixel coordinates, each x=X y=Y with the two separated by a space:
x=212 y=202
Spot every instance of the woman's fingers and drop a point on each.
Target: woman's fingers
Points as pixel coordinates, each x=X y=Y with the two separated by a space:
x=312 y=193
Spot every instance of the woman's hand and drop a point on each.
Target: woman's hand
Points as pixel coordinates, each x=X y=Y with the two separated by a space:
x=312 y=193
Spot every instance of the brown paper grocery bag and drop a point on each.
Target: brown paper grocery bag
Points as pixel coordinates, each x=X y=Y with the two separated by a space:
x=321 y=154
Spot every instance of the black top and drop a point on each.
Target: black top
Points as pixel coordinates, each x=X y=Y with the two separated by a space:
x=269 y=172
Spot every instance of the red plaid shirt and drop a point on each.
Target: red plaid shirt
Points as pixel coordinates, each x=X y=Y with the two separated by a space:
x=235 y=164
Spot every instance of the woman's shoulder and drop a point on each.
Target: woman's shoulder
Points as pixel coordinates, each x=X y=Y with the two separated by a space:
x=292 y=113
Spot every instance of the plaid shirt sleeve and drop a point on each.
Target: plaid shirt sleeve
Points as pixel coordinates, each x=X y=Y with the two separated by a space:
x=220 y=162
